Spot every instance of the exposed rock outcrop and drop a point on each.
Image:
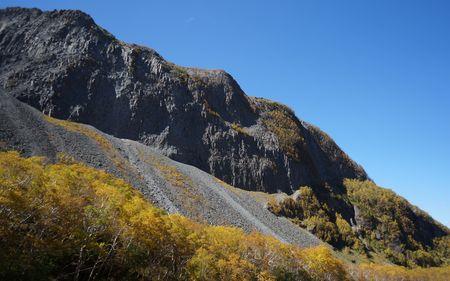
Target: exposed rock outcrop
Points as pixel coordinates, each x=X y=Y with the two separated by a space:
x=173 y=186
x=63 y=64
x=145 y=108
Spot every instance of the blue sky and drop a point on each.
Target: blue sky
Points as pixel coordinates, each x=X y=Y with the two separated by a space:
x=375 y=75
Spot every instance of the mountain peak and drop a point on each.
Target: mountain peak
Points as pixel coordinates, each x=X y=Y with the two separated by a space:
x=74 y=15
x=144 y=110
x=73 y=69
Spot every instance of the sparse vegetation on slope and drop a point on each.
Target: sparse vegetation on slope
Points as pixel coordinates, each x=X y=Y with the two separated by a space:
x=92 y=134
x=386 y=225
x=239 y=129
x=308 y=212
x=390 y=224
x=281 y=120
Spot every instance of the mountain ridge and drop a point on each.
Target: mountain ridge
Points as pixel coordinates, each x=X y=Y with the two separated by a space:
x=170 y=185
x=67 y=67
x=72 y=69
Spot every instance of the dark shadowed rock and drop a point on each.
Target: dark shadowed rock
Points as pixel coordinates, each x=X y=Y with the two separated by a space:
x=142 y=108
x=197 y=195
x=63 y=64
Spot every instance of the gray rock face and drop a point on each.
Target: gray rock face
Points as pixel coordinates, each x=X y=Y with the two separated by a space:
x=63 y=64
x=198 y=196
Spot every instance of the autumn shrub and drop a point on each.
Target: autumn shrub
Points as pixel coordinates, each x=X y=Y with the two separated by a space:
x=389 y=225
x=323 y=265
x=306 y=211
x=236 y=127
x=393 y=225
x=69 y=221
x=381 y=272
x=281 y=120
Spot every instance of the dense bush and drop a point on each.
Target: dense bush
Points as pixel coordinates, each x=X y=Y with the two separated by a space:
x=281 y=120
x=387 y=225
x=69 y=221
x=306 y=210
x=380 y=272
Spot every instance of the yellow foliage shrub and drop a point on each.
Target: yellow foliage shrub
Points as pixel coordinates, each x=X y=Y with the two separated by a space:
x=392 y=229
x=239 y=129
x=396 y=224
x=92 y=134
x=323 y=265
x=281 y=121
x=70 y=221
x=397 y=273
x=308 y=212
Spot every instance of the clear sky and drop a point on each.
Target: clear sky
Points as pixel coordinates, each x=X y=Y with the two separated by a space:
x=375 y=75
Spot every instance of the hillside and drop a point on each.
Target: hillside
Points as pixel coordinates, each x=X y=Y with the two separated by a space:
x=67 y=221
x=66 y=66
x=170 y=185
x=192 y=142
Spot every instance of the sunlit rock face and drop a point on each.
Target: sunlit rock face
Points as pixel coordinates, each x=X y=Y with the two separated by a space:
x=63 y=64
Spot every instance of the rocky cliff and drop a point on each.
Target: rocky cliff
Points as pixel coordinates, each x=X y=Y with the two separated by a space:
x=170 y=185
x=144 y=108
x=63 y=64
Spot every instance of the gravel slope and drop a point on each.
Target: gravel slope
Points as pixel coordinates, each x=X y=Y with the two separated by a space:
x=213 y=201
x=173 y=186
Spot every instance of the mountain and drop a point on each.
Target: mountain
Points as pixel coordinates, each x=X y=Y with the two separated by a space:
x=65 y=65
x=68 y=221
x=193 y=142
x=170 y=185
